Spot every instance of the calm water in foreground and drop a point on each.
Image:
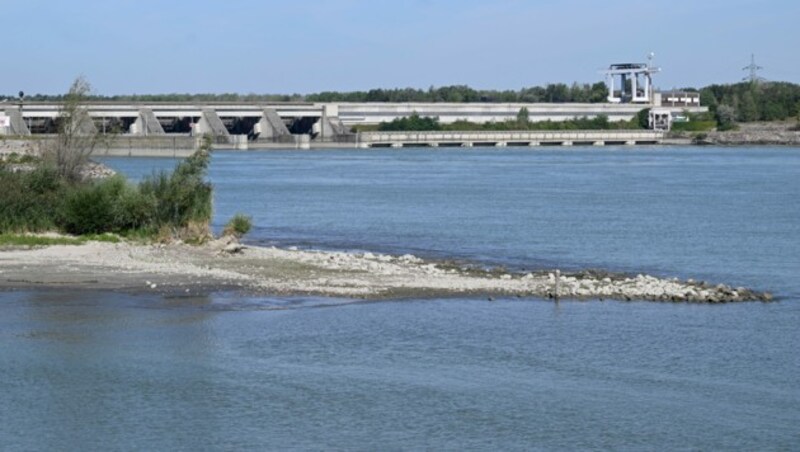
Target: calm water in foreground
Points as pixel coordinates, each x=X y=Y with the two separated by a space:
x=89 y=371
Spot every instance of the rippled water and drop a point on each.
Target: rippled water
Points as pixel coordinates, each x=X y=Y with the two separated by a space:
x=111 y=371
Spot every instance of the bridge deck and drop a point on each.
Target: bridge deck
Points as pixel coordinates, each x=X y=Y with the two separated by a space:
x=499 y=138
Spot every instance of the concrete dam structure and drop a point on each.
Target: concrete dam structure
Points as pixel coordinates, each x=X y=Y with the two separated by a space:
x=244 y=125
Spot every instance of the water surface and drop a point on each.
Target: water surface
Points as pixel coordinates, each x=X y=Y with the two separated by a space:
x=93 y=371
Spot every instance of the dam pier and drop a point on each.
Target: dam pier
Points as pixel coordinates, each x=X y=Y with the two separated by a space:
x=173 y=128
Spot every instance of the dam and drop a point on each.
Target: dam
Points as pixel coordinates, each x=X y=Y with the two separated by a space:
x=245 y=125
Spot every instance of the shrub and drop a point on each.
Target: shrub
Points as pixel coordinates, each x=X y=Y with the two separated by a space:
x=415 y=122
x=182 y=200
x=238 y=226
x=133 y=209
x=694 y=126
x=28 y=200
x=174 y=204
x=90 y=209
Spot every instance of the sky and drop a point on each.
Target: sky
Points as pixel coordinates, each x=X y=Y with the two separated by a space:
x=284 y=47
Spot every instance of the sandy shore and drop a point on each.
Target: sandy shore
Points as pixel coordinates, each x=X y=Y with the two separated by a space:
x=184 y=269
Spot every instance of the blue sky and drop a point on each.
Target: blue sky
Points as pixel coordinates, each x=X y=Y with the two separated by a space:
x=247 y=46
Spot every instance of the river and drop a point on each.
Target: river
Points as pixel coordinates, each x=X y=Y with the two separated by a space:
x=109 y=371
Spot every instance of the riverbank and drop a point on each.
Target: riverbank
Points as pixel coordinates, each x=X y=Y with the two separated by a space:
x=755 y=134
x=222 y=265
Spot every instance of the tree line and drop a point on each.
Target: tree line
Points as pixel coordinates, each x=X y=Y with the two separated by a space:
x=748 y=102
x=554 y=92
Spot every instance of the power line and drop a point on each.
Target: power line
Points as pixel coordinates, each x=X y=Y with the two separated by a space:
x=753 y=68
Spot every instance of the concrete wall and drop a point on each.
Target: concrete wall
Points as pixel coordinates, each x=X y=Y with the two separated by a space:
x=361 y=113
x=373 y=113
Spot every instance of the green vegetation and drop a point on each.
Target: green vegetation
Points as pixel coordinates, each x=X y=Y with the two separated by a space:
x=177 y=204
x=642 y=119
x=17 y=159
x=694 y=126
x=556 y=92
x=29 y=200
x=414 y=122
x=238 y=226
x=767 y=101
x=181 y=199
x=696 y=122
x=426 y=123
x=25 y=240
x=35 y=240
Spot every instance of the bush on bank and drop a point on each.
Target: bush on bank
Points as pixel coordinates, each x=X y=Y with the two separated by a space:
x=238 y=225
x=177 y=203
x=29 y=201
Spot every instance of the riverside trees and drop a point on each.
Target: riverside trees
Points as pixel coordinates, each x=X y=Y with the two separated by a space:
x=766 y=101
x=77 y=135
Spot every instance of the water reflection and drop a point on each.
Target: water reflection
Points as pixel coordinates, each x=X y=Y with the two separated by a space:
x=82 y=347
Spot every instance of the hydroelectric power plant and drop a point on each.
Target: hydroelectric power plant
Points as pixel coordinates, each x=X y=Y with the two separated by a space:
x=173 y=127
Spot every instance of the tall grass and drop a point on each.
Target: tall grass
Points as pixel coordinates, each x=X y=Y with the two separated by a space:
x=182 y=198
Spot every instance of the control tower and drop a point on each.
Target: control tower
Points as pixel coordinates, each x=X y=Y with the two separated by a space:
x=630 y=83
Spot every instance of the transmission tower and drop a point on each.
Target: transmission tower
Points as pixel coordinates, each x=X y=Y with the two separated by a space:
x=753 y=68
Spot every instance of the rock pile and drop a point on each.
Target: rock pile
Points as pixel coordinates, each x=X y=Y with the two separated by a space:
x=779 y=133
x=94 y=170
x=645 y=287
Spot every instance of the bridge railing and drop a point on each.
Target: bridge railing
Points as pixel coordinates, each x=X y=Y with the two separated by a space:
x=510 y=135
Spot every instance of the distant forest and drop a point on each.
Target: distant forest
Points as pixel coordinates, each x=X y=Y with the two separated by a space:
x=556 y=92
x=742 y=102
x=747 y=102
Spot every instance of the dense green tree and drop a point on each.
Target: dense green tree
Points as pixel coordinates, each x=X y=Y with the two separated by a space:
x=747 y=111
x=523 y=116
x=643 y=118
x=598 y=92
x=725 y=116
x=767 y=101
